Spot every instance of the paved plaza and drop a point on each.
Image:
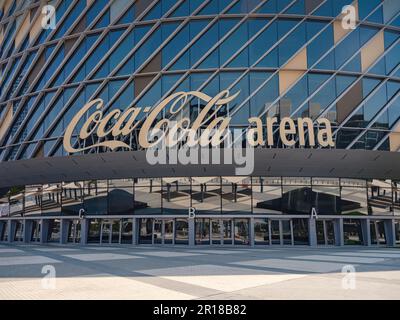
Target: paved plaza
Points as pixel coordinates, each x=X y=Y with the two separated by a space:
x=140 y=272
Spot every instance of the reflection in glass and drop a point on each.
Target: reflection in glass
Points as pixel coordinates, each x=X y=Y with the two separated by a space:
x=181 y=231
x=227 y=231
x=157 y=231
x=35 y=234
x=242 y=231
x=95 y=197
x=147 y=196
x=354 y=201
x=275 y=232
x=261 y=231
x=74 y=231
x=145 y=231
x=120 y=196
x=33 y=200
x=168 y=231
x=72 y=198
x=287 y=232
x=352 y=232
x=267 y=196
x=202 y=231
x=51 y=199
x=16 y=200
x=380 y=197
x=236 y=195
x=94 y=231
x=377 y=232
x=206 y=195
x=19 y=231
x=53 y=234
x=215 y=231
x=176 y=195
x=126 y=231
x=300 y=231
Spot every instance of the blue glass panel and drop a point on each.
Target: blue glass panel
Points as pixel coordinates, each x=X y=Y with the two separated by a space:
x=148 y=47
x=263 y=99
x=289 y=47
x=317 y=48
x=297 y=8
x=262 y=44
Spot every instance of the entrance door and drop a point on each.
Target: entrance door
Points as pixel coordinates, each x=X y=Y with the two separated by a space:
x=275 y=232
x=74 y=231
x=35 y=234
x=325 y=232
x=157 y=231
x=377 y=230
x=227 y=232
x=116 y=231
x=168 y=231
x=215 y=231
x=105 y=231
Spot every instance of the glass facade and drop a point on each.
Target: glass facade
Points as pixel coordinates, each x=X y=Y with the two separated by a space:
x=285 y=58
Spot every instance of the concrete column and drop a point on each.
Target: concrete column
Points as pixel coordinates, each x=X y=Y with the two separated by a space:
x=390 y=232
x=192 y=232
x=84 y=230
x=252 y=232
x=366 y=231
x=11 y=230
x=44 y=230
x=64 y=224
x=135 y=231
x=338 y=230
x=28 y=224
x=312 y=232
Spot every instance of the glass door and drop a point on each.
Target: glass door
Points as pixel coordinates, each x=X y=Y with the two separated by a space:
x=105 y=231
x=215 y=231
x=157 y=231
x=287 y=232
x=330 y=232
x=168 y=231
x=261 y=232
x=275 y=232
x=74 y=231
x=116 y=231
x=227 y=231
x=146 y=231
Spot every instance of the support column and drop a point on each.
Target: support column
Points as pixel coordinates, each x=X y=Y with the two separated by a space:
x=192 y=232
x=84 y=231
x=390 y=232
x=64 y=224
x=44 y=230
x=27 y=230
x=366 y=231
x=11 y=230
x=252 y=232
x=312 y=232
x=338 y=230
x=135 y=231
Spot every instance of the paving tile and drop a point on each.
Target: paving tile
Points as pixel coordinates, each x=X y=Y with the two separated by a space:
x=100 y=256
x=352 y=259
x=293 y=265
x=26 y=260
x=220 y=278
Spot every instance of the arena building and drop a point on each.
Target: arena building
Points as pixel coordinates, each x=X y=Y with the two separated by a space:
x=317 y=82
